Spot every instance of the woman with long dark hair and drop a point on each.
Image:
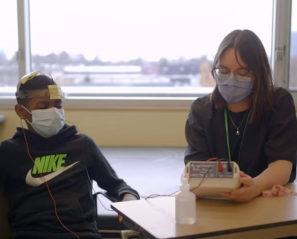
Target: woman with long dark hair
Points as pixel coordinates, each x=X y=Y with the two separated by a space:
x=246 y=119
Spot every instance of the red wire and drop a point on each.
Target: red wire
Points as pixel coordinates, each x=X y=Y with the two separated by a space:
x=56 y=212
x=220 y=167
x=196 y=168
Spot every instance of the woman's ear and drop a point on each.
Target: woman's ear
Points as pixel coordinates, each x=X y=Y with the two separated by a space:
x=20 y=111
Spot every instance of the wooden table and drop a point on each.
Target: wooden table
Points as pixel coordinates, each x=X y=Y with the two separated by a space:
x=261 y=218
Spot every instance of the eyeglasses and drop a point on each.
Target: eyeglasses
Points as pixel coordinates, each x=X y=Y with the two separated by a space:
x=243 y=75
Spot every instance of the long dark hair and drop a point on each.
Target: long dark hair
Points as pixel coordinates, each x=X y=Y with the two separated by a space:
x=251 y=50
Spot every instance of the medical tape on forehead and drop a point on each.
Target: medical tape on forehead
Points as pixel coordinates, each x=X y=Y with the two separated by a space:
x=54 y=92
x=26 y=78
x=29 y=76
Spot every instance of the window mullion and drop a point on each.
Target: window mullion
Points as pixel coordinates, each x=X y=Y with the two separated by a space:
x=24 y=50
x=281 y=41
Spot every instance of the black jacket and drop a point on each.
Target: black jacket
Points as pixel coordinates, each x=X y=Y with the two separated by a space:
x=66 y=160
x=271 y=139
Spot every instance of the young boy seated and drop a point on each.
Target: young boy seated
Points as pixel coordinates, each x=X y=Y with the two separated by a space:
x=47 y=169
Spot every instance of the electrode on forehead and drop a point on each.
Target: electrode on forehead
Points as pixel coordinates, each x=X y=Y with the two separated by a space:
x=55 y=92
x=29 y=76
x=52 y=91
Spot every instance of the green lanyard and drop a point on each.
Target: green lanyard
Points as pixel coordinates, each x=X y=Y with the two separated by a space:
x=227 y=134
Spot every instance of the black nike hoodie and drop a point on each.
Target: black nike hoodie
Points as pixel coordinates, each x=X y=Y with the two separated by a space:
x=65 y=160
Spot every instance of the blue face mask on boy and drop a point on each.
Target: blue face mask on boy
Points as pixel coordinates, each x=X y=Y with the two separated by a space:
x=234 y=91
x=47 y=122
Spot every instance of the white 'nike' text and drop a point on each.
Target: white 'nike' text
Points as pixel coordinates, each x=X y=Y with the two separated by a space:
x=35 y=182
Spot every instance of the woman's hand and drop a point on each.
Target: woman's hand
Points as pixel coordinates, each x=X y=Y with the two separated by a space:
x=277 y=172
x=248 y=191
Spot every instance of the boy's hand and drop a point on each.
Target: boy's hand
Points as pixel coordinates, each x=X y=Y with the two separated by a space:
x=127 y=197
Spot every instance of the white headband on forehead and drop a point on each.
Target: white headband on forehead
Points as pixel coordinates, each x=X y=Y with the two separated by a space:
x=54 y=92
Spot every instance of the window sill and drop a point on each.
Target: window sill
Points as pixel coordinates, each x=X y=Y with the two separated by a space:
x=121 y=97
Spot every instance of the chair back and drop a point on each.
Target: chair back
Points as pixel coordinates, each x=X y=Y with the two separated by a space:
x=4 y=226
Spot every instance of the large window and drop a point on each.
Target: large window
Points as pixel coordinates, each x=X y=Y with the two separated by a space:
x=293 y=51
x=148 y=46
x=8 y=45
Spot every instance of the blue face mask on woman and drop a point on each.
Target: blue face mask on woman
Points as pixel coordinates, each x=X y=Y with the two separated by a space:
x=234 y=91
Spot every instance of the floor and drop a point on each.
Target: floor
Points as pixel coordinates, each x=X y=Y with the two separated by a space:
x=148 y=170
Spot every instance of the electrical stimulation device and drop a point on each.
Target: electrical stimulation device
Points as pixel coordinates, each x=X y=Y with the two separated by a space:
x=211 y=178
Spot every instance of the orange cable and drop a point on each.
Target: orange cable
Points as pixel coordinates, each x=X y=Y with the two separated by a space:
x=196 y=168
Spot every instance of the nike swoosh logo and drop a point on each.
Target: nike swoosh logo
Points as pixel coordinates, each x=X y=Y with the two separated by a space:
x=35 y=182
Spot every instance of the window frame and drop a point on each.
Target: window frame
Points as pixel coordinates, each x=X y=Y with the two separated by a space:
x=281 y=44
x=280 y=54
